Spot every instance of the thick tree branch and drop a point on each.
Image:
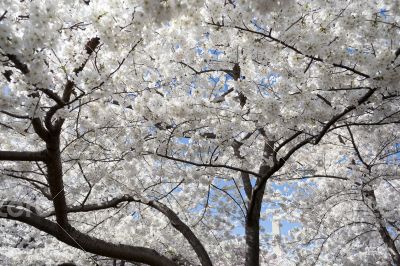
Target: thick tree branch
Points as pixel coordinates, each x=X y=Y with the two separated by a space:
x=340 y=115
x=18 y=64
x=246 y=184
x=55 y=179
x=185 y=231
x=15 y=115
x=27 y=156
x=39 y=129
x=177 y=223
x=75 y=238
x=353 y=142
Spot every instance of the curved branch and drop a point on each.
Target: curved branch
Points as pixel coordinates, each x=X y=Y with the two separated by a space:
x=316 y=176
x=353 y=142
x=79 y=240
x=27 y=156
x=177 y=223
x=17 y=63
x=291 y=47
x=208 y=164
x=15 y=115
x=340 y=115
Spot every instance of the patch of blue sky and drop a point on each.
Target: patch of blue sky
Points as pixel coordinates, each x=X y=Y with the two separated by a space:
x=184 y=140
x=342 y=159
x=384 y=13
x=286 y=226
x=6 y=91
x=199 y=207
x=135 y=216
x=158 y=84
x=132 y=95
x=167 y=89
x=228 y=77
x=267 y=83
x=397 y=149
x=214 y=80
x=176 y=189
x=215 y=53
x=239 y=230
x=213 y=211
x=152 y=130
x=222 y=182
x=221 y=89
x=147 y=76
x=199 y=51
x=192 y=87
x=173 y=82
x=351 y=50
x=285 y=189
x=392 y=231
x=259 y=28
x=225 y=87
x=394 y=157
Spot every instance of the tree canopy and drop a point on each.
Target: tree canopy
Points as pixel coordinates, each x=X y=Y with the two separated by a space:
x=170 y=132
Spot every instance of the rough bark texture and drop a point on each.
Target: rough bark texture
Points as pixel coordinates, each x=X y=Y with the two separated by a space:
x=185 y=230
x=55 y=175
x=253 y=231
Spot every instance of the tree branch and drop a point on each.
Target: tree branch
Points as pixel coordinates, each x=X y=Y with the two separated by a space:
x=79 y=240
x=291 y=47
x=17 y=63
x=208 y=164
x=177 y=223
x=27 y=156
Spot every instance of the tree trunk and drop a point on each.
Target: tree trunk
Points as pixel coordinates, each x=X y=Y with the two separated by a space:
x=252 y=242
x=252 y=230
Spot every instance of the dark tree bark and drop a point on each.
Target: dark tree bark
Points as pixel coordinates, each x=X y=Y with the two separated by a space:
x=75 y=238
x=22 y=156
x=252 y=230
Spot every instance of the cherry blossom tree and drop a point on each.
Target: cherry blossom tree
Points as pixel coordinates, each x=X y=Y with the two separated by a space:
x=350 y=215
x=156 y=132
